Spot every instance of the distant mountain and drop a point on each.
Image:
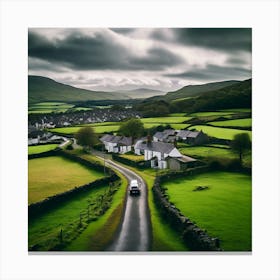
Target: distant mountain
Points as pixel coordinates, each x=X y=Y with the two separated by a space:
x=141 y=93
x=42 y=89
x=194 y=90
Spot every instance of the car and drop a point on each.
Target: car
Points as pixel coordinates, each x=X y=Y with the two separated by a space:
x=134 y=188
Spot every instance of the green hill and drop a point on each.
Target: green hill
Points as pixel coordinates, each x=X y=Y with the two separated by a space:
x=194 y=90
x=42 y=89
x=235 y=95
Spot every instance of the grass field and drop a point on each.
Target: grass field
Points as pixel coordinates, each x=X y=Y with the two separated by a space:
x=237 y=123
x=52 y=175
x=205 y=152
x=211 y=114
x=45 y=229
x=165 y=120
x=224 y=210
x=240 y=110
x=133 y=157
x=173 y=125
x=41 y=148
x=222 y=133
x=97 y=129
x=50 y=107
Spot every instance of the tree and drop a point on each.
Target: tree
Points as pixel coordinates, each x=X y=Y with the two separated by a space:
x=86 y=137
x=241 y=144
x=132 y=128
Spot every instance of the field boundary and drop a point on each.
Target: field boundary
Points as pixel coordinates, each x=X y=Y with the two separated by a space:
x=194 y=237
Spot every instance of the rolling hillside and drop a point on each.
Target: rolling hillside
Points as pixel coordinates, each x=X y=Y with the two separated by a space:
x=41 y=89
x=235 y=95
x=194 y=90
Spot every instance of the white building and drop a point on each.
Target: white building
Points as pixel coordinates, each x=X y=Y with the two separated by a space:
x=157 y=152
x=116 y=144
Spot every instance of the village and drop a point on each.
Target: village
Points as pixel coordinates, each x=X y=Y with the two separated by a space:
x=160 y=149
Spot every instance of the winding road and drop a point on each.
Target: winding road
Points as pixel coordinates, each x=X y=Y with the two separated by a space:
x=134 y=233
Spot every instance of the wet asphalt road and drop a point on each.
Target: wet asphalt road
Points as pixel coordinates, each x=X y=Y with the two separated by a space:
x=134 y=233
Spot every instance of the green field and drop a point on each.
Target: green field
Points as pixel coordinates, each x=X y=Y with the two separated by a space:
x=165 y=120
x=240 y=110
x=224 y=210
x=222 y=133
x=211 y=114
x=133 y=157
x=214 y=152
x=237 y=123
x=97 y=129
x=52 y=175
x=52 y=107
x=41 y=148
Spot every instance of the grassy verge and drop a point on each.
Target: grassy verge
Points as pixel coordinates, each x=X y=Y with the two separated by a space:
x=223 y=208
x=72 y=217
x=99 y=233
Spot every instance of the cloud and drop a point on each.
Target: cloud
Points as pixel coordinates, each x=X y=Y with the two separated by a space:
x=156 y=59
x=97 y=52
x=227 y=39
x=122 y=30
x=214 y=72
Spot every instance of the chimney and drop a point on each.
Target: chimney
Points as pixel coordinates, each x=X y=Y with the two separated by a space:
x=149 y=140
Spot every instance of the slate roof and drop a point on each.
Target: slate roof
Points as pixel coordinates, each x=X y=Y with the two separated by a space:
x=185 y=159
x=193 y=134
x=121 y=140
x=107 y=138
x=159 y=135
x=161 y=147
x=183 y=133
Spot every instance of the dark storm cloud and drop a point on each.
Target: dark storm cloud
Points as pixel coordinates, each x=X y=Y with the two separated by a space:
x=156 y=57
x=81 y=52
x=214 y=72
x=226 y=39
x=122 y=30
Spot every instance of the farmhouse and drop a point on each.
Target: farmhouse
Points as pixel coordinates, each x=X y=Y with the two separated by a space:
x=167 y=136
x=192 y=137
x=164 y=155
x=116 y=144
x=187 y=136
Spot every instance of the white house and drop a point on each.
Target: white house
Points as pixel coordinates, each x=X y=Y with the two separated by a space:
x=157 y=152
x=116 y=144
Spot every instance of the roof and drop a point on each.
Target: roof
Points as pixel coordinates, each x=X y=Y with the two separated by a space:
x=161 y=147
x=183 y=133
x=193 y=134
x=107 y=138
x=159 y=135
x=122 y=140
x=188 y=134
x=185 y=159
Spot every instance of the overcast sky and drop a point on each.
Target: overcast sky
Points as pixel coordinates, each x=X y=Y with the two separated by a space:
x=128 y=58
